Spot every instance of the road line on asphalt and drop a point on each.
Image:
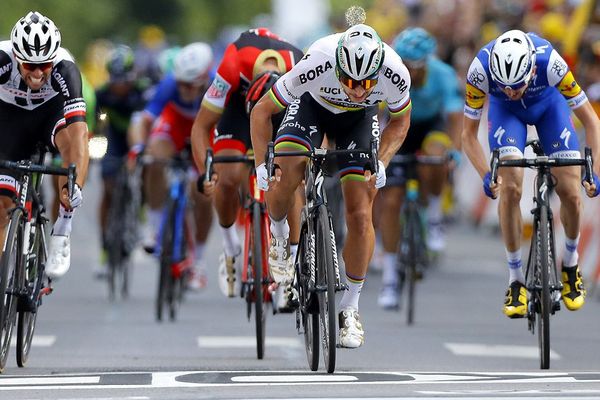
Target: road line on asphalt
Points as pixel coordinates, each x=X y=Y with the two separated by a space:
x=220 y=342
x=487 y=350
x=38 y=341
x=50 y=380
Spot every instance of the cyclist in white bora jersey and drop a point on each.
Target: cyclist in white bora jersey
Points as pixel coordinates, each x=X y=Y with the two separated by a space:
x=334 y=91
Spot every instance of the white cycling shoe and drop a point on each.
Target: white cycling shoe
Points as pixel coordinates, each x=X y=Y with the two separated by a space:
x=281 y=265
x=351 y=334
x=59 y=256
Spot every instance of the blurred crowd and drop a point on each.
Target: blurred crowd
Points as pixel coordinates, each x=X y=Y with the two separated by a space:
x=460 y=26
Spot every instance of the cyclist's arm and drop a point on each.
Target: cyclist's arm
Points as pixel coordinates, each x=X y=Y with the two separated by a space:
x=586 y=114
x=472 y=147
x=261 y=127
x=393 y=136
x=454 y=129
x=205 y=120
x=140 y=127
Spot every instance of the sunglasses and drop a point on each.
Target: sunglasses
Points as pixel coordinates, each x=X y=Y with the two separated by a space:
x=33 y=66
x=353 y=83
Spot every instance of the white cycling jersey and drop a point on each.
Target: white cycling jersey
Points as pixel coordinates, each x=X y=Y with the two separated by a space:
x=315 y=74
x=65 y=79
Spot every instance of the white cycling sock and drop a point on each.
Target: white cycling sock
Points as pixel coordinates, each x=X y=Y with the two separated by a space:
x=280 y=229
x=571 y=256
x=231 y=240
x=154 y=217
x=434 y=210
x=293 y=251
x=390 y=272
x=515 y=266
x=62 y=226
x=199 y=251
x=352 y=294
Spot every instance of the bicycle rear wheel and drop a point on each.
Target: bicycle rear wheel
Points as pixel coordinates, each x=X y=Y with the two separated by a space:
x=258 y=255
x=309 y=315
x=411 y=239
x=33 y=280
x=9 y=280
x=165 y=280
x=326 y=286
x=545 y=300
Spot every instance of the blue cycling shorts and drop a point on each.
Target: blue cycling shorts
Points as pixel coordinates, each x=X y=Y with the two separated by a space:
x=507 y=127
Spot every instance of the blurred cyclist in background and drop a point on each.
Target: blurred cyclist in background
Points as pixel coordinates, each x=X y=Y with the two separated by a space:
x=224 y=106
x=117 y=100
x=434 y=130
x=164 y=129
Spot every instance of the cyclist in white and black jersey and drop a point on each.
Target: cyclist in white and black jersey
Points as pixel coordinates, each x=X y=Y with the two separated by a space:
x=41 y=102
x=334 y=91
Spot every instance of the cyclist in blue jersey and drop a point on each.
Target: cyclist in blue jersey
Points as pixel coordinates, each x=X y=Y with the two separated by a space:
x=166 y=125
x=437 y=109
x=529 y=83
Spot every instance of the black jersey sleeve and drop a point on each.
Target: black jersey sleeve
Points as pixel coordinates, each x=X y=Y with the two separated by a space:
x=66 y=80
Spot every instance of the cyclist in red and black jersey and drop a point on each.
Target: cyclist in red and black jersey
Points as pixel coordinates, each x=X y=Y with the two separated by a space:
x=223 y=106
x=41 y=101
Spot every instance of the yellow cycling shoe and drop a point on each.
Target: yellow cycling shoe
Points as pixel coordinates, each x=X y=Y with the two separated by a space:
x=515 y=305
x=573 y=292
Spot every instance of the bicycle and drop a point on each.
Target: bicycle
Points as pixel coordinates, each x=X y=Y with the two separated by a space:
x=316 y=269
x=412 y=254
x=541 y=276
x=121 y=234
x=255 y=272
x=22 y=263
x=174 y=239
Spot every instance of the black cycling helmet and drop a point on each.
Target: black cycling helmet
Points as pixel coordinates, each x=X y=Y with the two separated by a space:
x=120 y=65
x=258 y=87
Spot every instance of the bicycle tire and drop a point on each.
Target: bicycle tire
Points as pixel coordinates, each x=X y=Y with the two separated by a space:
x=9 y=270
x=308 y=316
x=165 y=291
x=326 y=283
x=545 y=298
x=411 y=258
x=258 y=257
x=33 y=279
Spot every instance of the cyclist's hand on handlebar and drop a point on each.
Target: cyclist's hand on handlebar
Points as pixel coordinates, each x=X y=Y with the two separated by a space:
x=491 y=189
x=594 y=189
x=76 y=197
x=380 y=177
x=207 y=187
x=134 y=152
x=262 y=177
x=455 y=157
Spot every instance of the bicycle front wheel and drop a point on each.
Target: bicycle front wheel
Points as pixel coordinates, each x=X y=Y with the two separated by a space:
x=9 y=282
x=258 y=257
x=326 y=286
x=545 y=300
x=33 y=280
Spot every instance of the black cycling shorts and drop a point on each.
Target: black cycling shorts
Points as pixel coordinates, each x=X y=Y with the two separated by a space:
x=306 y=122
x=417 y=133
x=22 y=131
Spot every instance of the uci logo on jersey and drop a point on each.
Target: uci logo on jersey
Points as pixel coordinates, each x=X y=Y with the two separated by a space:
x=396 y=79
x=314 y=73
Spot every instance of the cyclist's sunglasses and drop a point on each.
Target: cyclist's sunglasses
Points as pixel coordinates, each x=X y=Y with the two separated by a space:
x=33 y=66
x=353 y=83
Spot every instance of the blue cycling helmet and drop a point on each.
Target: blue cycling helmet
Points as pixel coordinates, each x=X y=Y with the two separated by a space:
x=414 y=44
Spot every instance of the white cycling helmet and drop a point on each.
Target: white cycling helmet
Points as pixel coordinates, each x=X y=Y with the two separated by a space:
x=193 y=62
x=35 y=39
x=359 y=53
x=512 y=59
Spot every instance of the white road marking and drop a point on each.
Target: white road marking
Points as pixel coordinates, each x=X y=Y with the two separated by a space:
x=293 y=378
x=221 y=342
x=50 y=380
x=486 y=350
x=38 y=341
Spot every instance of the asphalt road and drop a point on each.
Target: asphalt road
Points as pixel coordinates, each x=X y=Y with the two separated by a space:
x=461 y=345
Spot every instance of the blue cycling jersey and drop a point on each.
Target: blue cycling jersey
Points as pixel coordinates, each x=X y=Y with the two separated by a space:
x=439 y=94
x=166 y=92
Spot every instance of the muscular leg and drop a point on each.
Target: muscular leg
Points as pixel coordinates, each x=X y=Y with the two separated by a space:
x=568 y=189
x=155 y=183
x=509 y=210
